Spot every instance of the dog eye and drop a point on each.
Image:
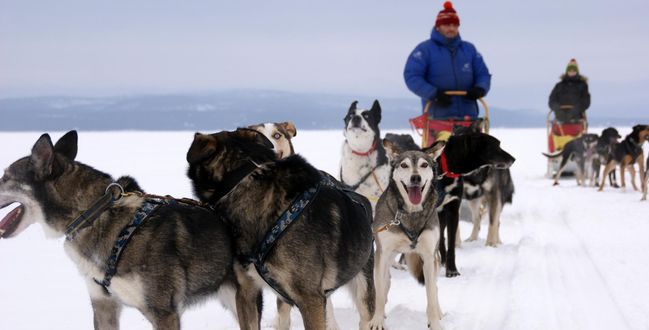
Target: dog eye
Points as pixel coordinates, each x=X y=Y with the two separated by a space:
x=424 y=165
x=365 y=115
x=404 y=165
x=276 y=136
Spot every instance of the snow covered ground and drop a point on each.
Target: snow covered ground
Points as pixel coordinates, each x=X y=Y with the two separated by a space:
x=572 y=257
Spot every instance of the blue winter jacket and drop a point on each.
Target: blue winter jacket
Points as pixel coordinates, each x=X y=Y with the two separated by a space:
x=446 y=64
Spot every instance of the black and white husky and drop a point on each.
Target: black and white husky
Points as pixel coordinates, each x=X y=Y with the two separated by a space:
x=364 y=165
x=406 y=222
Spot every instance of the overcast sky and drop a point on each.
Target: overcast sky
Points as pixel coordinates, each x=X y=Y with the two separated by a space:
x=83 y=47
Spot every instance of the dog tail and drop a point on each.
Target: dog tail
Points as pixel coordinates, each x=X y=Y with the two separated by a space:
x=555 y=154
x=416 y=266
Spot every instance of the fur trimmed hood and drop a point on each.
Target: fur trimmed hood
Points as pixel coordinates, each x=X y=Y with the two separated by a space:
x=582 y=78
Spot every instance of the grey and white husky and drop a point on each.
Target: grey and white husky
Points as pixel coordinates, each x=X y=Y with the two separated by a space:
x=406 y=222
x=178 y=256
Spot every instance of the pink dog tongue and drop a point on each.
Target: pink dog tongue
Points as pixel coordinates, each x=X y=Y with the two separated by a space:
x=414 y=194
x=9 y=220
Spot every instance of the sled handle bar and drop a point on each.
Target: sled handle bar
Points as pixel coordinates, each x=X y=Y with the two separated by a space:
x=460 y=93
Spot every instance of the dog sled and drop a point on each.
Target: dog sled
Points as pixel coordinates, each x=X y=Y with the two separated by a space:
x=430 y=128
x=558 y=135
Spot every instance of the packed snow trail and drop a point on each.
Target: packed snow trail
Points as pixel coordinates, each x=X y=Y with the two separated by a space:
x=571 y=258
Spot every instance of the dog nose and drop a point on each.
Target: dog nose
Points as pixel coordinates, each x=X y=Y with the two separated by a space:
x=356 y=121
x=415 y=179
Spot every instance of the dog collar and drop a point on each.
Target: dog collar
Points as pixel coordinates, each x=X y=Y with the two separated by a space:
x=367 y=153
x=445 y=171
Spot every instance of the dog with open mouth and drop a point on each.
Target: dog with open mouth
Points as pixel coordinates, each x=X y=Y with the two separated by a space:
x=156 y=254
x=406 y=222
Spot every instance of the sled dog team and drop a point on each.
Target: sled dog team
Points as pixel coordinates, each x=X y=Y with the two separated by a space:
x=264 y=218
x=591 y=151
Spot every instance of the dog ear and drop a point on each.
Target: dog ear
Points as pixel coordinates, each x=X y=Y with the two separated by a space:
x=42 y=157
x=391 y=149
x=289 y=127
x=376 y=109
x=203 y=146
x=67 y=145
x=352 y=107
x=436 y=149
x=252 y=136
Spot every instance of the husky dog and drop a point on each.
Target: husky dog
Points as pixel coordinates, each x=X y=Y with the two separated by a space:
x=280 y=135
x=406 y=222
x=604 y=149
x=626 y=154
x=488 y=189
x=581 y=150
x=462 y=155
x=327 y=246
x=180 y=255
x=364 y=166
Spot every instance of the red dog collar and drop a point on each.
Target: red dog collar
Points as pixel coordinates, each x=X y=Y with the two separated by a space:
x=445 y=171
x=367 y=153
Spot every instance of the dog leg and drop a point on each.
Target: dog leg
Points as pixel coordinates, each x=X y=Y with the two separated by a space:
x=622 y=169
x=442 y=230
x=106 y=313
x=580 y=176
x=564 y=162
x=331 y=319
x=247 y=297
x=313 y=308
x=495 y=207
x=632 y=171
x=363 y=291
x=283 y=320
x=476 y=216
x=382 y=284
x=166 y=320
x=452 y=211
x=610 y=166
x=430 y=268
x=641 y=174
x=458 y=238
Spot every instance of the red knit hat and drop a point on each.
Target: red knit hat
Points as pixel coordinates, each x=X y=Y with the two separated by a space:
x=447 y=15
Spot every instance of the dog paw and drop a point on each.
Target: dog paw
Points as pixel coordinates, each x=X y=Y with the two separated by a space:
x=492 y=244
x=471 y=239
x=375 y=324
x=555 y=183
x=434 y=325
x=452 y=273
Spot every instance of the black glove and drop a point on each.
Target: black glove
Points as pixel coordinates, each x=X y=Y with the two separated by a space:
x=442 y=99
x=475 y=93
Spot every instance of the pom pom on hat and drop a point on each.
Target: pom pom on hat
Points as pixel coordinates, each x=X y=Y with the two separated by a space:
x=447 y=16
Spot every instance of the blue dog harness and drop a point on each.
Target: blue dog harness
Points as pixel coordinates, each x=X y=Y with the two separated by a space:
x=290 y=215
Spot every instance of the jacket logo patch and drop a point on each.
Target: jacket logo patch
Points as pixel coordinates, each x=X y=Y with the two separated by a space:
x=466 y=67
x=418 y=55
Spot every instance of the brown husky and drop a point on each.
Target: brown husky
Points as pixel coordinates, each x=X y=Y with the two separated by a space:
x=179 y=254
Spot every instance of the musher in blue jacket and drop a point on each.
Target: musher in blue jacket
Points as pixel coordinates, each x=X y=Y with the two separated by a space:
x=447 y=63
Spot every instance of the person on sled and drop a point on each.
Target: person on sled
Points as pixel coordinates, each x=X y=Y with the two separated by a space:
x=444 y=63
x=570 y=98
